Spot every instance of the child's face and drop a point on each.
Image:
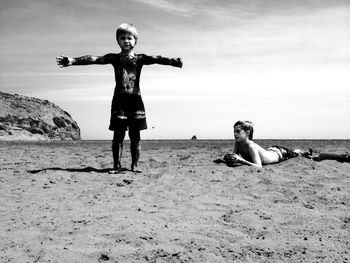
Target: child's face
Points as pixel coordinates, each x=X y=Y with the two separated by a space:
x=126 y=41
x=240 y=134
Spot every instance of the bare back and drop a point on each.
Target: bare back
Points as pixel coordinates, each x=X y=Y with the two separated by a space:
x=253 y=152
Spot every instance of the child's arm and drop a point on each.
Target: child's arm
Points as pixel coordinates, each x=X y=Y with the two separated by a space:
x=149 y=60
x=239 y=158
x=229 y=156
x=254 y=153
x=64 y=61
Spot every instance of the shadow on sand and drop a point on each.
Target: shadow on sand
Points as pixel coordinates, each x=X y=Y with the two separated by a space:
x=229 y=164
x=88 y=169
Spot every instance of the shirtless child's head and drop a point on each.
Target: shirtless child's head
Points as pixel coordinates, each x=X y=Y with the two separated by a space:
x=243 y=130
x=126 y=36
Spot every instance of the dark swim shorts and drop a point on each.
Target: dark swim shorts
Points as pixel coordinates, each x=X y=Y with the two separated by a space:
x=127 y=111
x=283 y=152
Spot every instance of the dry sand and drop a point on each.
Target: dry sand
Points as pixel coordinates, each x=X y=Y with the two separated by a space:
x=183 y=208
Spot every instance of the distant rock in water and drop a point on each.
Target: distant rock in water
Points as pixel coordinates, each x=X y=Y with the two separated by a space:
x=26 y=118
x=194 y=138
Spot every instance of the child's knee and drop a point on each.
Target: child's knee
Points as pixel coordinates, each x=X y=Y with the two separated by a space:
x=118 y=136
x=134 y=136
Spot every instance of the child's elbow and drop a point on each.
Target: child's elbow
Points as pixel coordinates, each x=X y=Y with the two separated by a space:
x=258 y=165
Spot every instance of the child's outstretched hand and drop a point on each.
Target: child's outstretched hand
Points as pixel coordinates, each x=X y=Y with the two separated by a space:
x=64 y=61
x=228 y=157
x=178 y=63
x=237 y=158
x=232 y=158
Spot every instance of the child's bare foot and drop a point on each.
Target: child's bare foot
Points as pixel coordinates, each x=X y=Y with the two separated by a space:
x=118 y=169
x=308 y=154
x=114 y=171
x=135 y=169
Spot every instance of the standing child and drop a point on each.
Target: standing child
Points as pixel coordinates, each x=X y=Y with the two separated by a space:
x=246 y=151
x=128 y=111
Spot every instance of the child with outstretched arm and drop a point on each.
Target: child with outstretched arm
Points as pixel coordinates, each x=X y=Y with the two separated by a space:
x=128 y=111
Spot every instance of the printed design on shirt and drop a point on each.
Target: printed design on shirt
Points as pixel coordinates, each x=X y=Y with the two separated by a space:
x=128 y=79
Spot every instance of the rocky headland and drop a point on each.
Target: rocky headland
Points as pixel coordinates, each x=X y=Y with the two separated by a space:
x=27 y=118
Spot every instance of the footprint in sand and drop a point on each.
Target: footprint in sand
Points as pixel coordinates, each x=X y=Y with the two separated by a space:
x=156 y=164
x=345 y=220
x=103 y=257
x=285 y=196
x=184 y=157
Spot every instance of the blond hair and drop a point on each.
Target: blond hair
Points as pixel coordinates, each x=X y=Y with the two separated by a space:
x=126 y=28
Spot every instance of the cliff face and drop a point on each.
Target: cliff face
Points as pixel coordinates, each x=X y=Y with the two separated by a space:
x=26 y=118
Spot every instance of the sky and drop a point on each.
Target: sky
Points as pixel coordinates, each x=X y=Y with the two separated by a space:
x=284 y=65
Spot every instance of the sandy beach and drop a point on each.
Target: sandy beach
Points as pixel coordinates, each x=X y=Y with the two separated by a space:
x=58 y=204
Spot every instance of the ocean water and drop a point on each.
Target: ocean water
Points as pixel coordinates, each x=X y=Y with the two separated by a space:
x=338 y=146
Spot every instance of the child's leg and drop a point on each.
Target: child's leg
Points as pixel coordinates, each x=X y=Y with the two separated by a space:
x=135 y=148
x=117 y=149
x=332 y=156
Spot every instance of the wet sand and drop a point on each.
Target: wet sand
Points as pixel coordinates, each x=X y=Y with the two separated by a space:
x=182 y=208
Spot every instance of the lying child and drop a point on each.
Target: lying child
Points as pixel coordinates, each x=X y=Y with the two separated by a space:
x=246 y=151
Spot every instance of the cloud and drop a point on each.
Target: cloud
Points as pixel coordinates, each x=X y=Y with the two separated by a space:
x=185 y=9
